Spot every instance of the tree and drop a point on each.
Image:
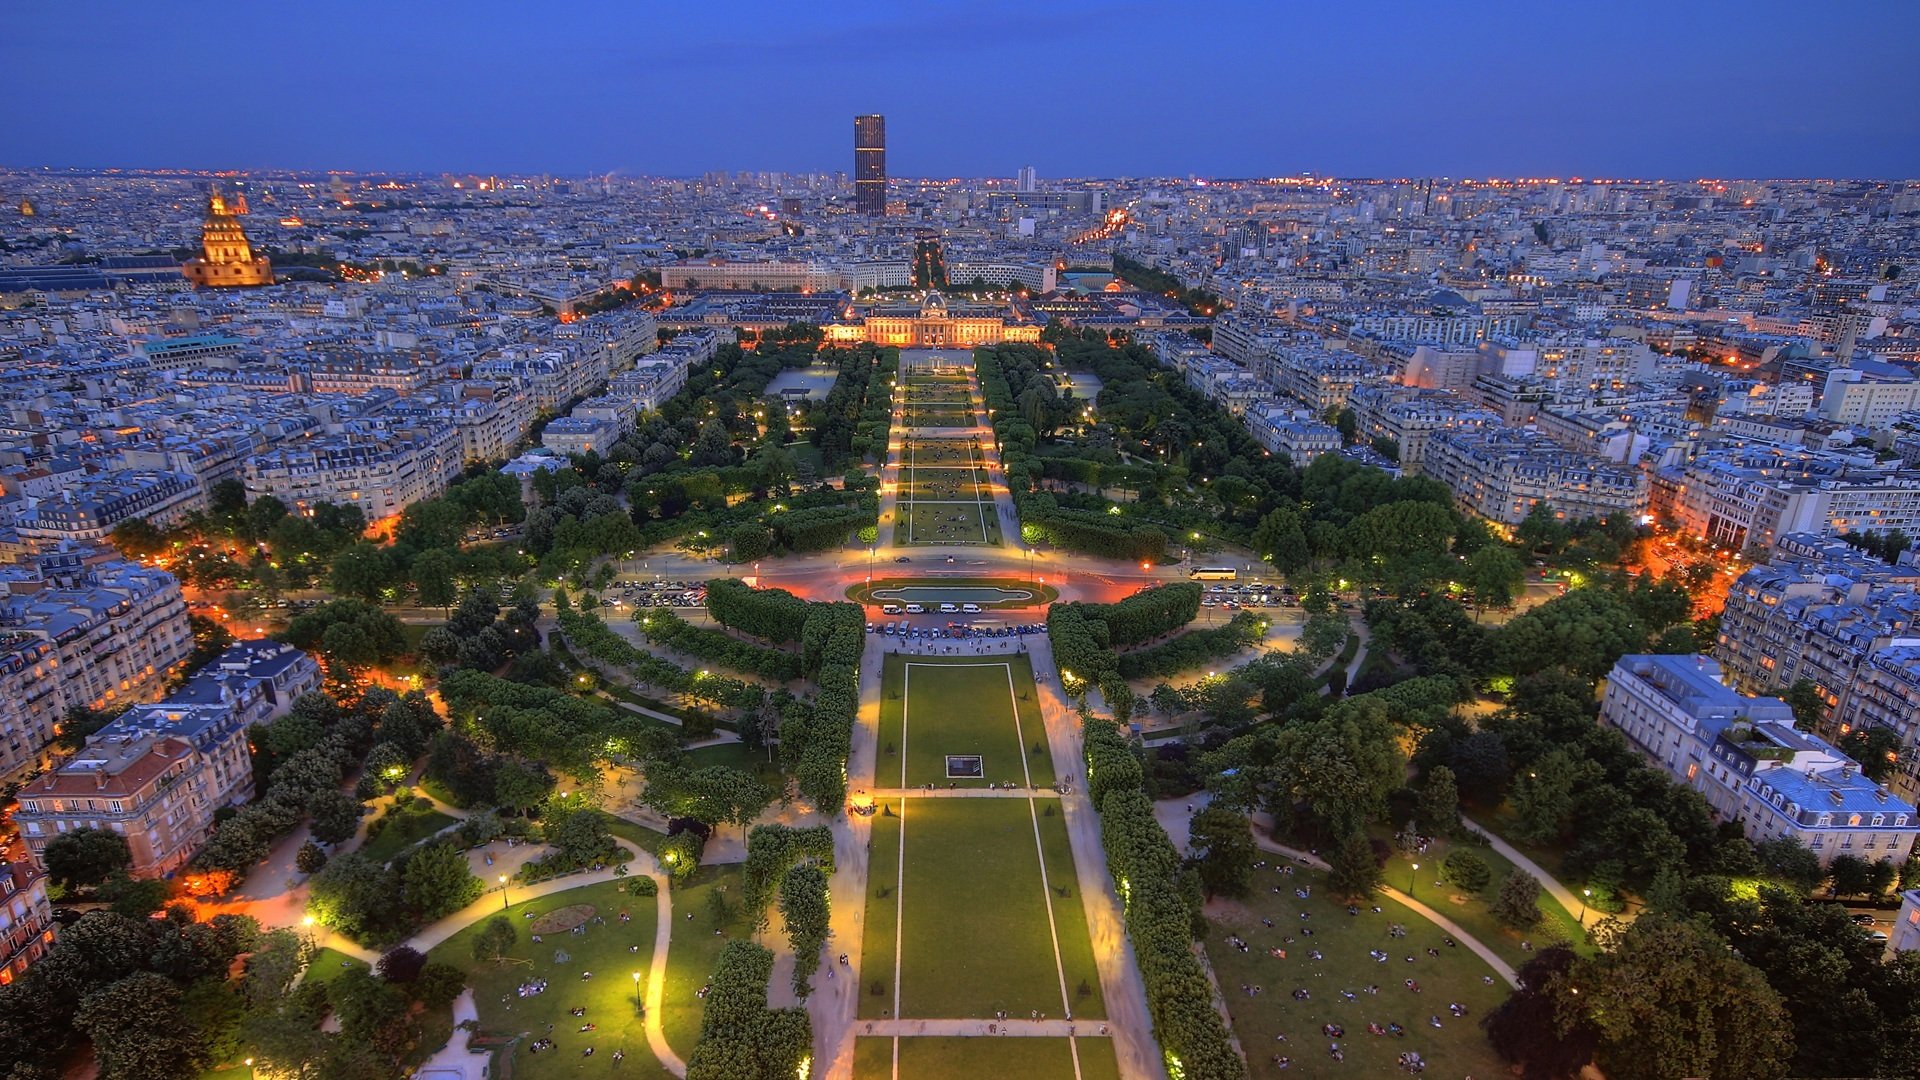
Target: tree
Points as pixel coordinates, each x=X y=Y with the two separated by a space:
x=432 y=575
x=1668 y=999
x=437 y=881
x=1281 y=539
x=362 y=571
x=1495 y=574
x=1222 y=844
x=1805 y=700
x=1786 y=859
x=1532 y=1029
x=1876 y=748
x=1851 y=874
x=350 y=895
x=86 y=857
x=310 y=858
x=137 y=538
x=401 y=964
x=805 y=908
x=136 y=898
x=1517 y=905
x=336 y=816
x=139 y=1031
x=1439 y=809
x=1356 y=872
x=496 y=937
x=1467 y=871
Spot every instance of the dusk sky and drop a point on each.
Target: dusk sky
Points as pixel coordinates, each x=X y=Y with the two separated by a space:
x=975 y=88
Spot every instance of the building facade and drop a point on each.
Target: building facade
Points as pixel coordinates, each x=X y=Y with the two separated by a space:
x=1745 y=757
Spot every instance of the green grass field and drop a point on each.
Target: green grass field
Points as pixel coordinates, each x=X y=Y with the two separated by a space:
x=1456 y=1048
x=942 y=483
x=695 y=949
x=404 y=829
x=961 y=705
x=970 y=1059
x=609 y=951
x=940 y=453
x=329 y=964
x=949 y=523
x=1472 y=911
x=965 y=856
x=939 y=416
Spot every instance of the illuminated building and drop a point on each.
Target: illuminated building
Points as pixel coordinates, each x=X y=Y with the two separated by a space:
x=26 y=208
x=227 y=260
x=932 y=324
x=870 y=165
x=26 y=919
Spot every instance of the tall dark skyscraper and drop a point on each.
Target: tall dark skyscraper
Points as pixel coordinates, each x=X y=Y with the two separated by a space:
x=870 y=164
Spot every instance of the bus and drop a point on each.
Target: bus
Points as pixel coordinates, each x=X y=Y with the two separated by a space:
x=1213 y=573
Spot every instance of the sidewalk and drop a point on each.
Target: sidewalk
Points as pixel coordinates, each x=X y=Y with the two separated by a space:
x=1560 y=893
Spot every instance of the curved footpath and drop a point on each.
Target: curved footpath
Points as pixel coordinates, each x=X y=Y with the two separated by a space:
x=1499 y=966
x=439 y=931
x=1559 y=892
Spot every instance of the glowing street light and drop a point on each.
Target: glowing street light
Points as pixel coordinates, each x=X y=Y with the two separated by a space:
x=638 y=1008
x=1585 y=895
x=503 y=892
x=1413 y=880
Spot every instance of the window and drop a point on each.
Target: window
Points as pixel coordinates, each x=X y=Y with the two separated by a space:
x=1879 y=820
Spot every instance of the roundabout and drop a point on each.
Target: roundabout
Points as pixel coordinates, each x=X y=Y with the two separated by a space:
x=992 y=594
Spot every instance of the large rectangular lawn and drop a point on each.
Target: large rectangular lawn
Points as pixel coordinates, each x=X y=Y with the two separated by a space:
x=1007 y=1058
x=961 y=705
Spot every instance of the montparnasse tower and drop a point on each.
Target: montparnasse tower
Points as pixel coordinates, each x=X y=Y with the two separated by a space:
x=227 y=259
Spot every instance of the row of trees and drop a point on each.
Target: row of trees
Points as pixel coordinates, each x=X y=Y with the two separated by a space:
x=858 y=413
x=740 y=1037
x=1194 y=648
x=663 y=627
x=1161 y=899
x=1084 y=636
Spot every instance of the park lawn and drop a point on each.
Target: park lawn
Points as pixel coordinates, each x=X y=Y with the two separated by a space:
x=1474 y=914
x=736 y=755
x=974 y=929
x=942 y=453
x=1069 y=914
x=638 y=835
x=952 y=1058
x=608 y=997
x=938 y=416
x=961 y=705
x=964 y=522
x=1457 y=1048
x=329 y=964
x=696 y=948
x=404 y=829
x=923 y=482
x=877 y=938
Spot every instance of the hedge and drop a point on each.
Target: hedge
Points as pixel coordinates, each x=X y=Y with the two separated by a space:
x=1084 y=636
x=663 y=627
x=740 y=1038
x=1194 y=648
x=592 y=637
x=1159 y=914
x=773 y=615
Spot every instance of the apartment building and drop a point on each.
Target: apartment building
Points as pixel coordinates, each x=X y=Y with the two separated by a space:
x=157 y=774
x=26 y=919
x=1501 y=475
x=1886 y=694
x=1745 y=757
x=382 y=470
x=73 y=633
x=89 y=508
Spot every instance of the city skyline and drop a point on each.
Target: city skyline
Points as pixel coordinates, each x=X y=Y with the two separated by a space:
x=1368 y=90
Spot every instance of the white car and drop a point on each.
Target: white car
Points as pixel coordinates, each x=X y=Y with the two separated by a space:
x=949 y=609
x=971 y=609
x=915 y=609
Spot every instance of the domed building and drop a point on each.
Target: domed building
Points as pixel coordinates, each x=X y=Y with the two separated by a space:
x=227 y=260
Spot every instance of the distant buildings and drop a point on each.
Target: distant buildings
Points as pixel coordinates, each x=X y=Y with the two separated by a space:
x=1744 y=755
x=157 y=774
x=382 y=469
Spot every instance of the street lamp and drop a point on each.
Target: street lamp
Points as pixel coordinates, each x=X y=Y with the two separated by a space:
x=637 y=1007
x=1585 y=895
x=503 y=892
x=249 y=1064
x=1413 y=879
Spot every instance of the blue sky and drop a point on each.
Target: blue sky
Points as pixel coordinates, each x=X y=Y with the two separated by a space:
x=974 y=88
